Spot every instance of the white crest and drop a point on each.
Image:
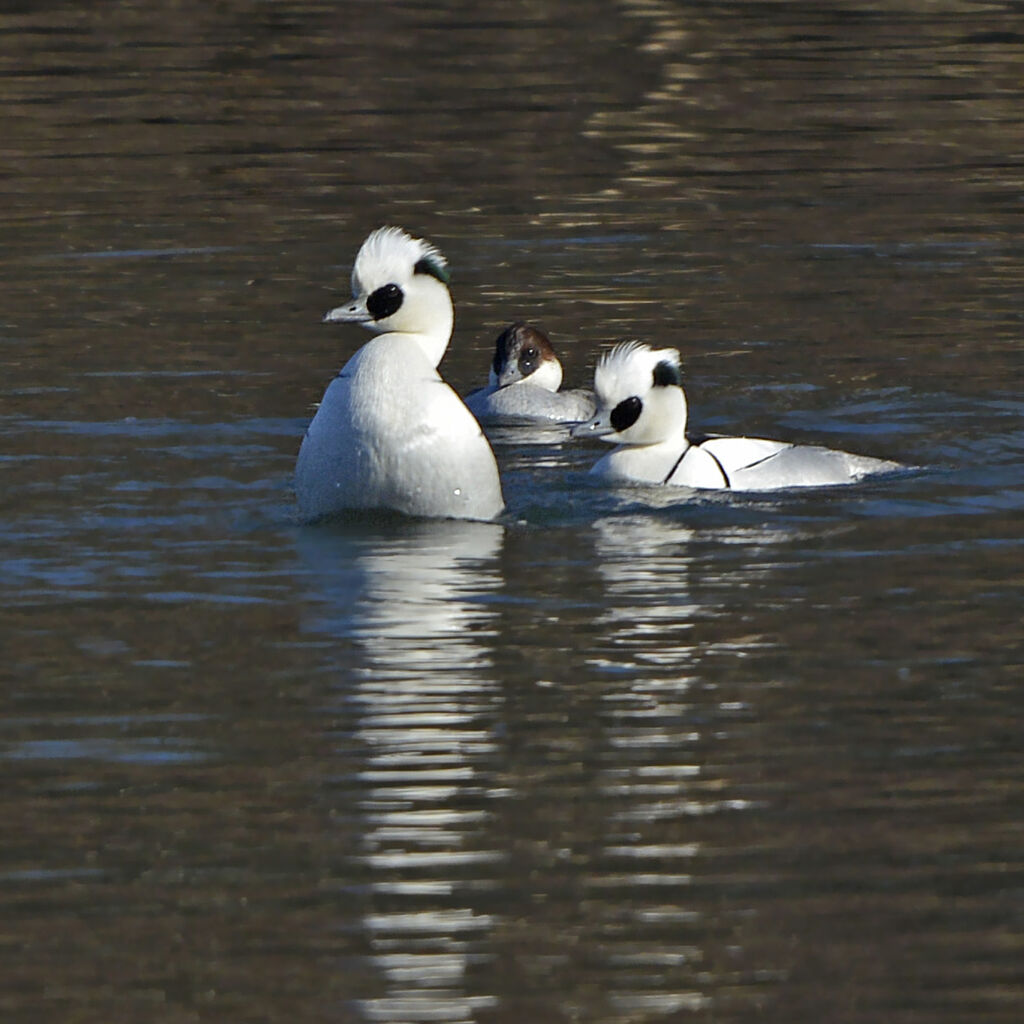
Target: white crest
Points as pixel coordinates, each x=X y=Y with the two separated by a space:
x=630 y=369
x=390 y=254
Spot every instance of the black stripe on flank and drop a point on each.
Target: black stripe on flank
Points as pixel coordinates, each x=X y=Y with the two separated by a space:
x=711 y=455
x=675 y=465
x=721 y=468
x=751 y=465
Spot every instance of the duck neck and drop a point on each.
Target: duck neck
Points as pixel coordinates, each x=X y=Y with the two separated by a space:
x=434 y=343
x=663 y=425
x=434 y=327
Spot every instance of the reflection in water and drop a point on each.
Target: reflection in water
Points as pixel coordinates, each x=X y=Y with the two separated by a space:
x=663 y=778
x=652 y=142
x=821 y=205
x=422 y=706
x=644 y=563
x=651 y=765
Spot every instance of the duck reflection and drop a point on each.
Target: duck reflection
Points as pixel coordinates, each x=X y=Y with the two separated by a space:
x=651 y=721
x=652 y=778
x=644 y=562
x=418 y=703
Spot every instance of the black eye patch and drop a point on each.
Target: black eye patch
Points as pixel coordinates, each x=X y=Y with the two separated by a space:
x=626 y=413
x=667 y=374
x=384 y=301
x=528 y=361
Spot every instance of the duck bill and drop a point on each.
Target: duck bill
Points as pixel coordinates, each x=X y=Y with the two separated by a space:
x=509 y=375
x=354 y=312
x=596 y=427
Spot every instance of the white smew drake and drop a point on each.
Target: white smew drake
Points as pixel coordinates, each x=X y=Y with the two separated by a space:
x=389 y=432
x=523 y=383
x=641 y=408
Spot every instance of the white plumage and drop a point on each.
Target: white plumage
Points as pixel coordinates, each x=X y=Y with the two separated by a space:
x=389 y=432
x=641 y=407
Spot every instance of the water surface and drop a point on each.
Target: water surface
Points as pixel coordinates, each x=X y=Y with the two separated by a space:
x=625 y=755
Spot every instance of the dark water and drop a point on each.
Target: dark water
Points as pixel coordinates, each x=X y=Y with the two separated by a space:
x=622 y=757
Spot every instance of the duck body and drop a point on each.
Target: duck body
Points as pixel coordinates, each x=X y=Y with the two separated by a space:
x=641 y=405
x=739 y=463
x=527 y=403
x=389 y=432
x=524 y=381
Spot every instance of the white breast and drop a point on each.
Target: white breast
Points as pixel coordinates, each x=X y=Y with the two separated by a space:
x=390 y=433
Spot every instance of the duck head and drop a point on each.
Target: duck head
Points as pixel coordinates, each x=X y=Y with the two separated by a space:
x=400 y=285
x=639 y=396
x=524 y=353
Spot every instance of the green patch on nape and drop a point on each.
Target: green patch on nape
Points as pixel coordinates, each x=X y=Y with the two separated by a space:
x=427 y=265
